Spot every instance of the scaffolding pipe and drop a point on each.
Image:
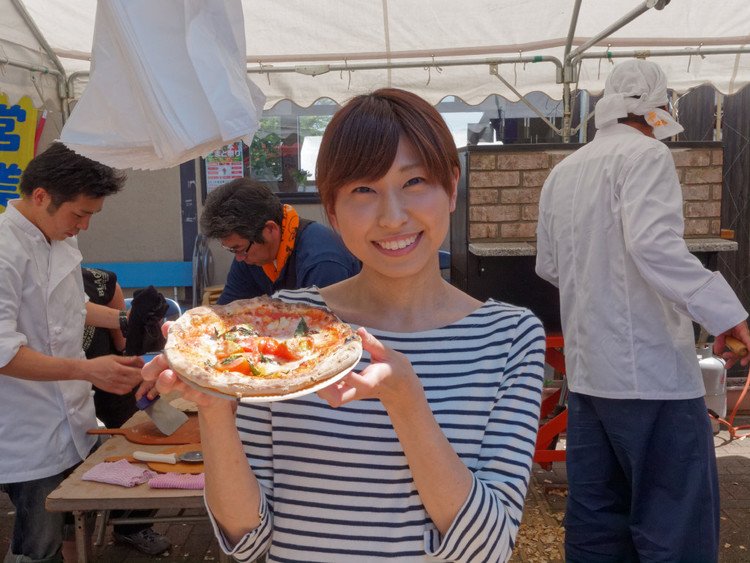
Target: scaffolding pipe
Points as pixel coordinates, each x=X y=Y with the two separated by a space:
x=28 y=66
x=568 y=74
x=623 y=21
x=572 y=29
x=73 y=77
x=719 y=114
x=315 y=70
x=532 y=107
x=685 y=51
x=61 y=83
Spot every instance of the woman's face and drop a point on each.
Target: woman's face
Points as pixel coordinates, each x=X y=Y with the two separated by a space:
x=397 y=223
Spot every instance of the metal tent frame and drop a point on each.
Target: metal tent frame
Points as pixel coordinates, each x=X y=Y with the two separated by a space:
x=566 y=70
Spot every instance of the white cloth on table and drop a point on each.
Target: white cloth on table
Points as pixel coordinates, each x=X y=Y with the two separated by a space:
x=119 y=472
x=173 y=480
x=42 y=306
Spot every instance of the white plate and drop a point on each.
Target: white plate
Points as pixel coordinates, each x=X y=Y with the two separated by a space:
x=271 y=398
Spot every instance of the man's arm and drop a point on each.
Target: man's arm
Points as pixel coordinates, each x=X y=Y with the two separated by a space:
x=115 y=374
x=546 y=261
x=653 y=227
x=117 y=302
x=102 y=316
x=241 y=283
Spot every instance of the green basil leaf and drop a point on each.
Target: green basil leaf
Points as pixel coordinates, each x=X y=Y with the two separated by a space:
x=302 y=329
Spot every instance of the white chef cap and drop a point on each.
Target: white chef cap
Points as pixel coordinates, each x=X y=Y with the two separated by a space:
x=638 y=87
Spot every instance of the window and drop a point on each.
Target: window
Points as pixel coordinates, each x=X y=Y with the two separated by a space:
x=285 y=148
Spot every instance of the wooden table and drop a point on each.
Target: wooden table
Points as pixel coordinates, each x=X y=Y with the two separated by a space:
x=83 y=498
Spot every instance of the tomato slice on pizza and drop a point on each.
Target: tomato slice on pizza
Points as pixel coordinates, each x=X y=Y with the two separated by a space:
x=261 y=347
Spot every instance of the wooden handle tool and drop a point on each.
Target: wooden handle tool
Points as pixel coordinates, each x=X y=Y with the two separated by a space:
x=736 y=346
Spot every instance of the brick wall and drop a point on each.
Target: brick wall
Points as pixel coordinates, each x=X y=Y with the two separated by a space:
x=504 y=188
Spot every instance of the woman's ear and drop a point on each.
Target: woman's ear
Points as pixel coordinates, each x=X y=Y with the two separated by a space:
x=334 y=223
x=331 y=216
x=454 y=190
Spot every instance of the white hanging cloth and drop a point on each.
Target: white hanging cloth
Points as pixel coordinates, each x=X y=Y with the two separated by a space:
x=168 y=84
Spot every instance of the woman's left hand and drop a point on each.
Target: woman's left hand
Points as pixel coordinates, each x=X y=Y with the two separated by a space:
x=390 y=377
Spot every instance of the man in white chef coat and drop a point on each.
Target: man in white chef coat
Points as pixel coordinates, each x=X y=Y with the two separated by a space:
x=640 y=458
x=46 y=404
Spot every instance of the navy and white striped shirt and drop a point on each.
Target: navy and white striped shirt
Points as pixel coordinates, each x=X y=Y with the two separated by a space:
x=336 y=484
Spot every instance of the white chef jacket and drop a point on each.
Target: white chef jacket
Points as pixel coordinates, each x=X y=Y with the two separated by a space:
x=42 y=305
x=610 y=236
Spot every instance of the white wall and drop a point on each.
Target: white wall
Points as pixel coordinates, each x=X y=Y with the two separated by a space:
x=143 y=222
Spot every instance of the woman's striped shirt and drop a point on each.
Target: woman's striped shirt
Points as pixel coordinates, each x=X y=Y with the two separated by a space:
x=336 y=484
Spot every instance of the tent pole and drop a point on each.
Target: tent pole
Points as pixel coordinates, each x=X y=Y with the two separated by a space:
x=496 y=74
x=567 y=116
x=622 y=22
x=31 y=67
x=572 y=29
x=568 y=73
x=685 y=51
x=584 y=116
x=719 y=112
x=62 y=86
x=316 y=70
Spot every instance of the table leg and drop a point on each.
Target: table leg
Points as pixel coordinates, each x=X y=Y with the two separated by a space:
x=83 y=535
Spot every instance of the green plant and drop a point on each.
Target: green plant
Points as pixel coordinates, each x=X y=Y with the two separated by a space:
x=299 y=176
x=265 y=160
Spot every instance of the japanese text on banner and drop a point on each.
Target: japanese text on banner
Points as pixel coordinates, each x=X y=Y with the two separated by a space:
x=17 y=131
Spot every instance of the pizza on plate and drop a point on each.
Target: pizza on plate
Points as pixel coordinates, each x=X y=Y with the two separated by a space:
x=261 y=347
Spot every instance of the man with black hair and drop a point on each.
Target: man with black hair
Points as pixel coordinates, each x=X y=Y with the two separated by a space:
x=46 y=405
x=273 y=247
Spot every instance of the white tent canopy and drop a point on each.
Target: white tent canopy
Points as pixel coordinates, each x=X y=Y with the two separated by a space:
x=434 y=38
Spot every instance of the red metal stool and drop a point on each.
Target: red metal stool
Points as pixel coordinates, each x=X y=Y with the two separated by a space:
x=554 y=406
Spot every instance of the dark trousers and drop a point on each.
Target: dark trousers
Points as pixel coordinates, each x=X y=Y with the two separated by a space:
x=643 y=484
x=37 y=533
x=114 y=411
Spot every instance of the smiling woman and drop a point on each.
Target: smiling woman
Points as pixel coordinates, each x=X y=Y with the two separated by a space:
x=424 y=451
x=399 y=221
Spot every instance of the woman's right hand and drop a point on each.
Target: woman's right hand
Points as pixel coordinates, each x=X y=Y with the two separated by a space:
x=159 y=379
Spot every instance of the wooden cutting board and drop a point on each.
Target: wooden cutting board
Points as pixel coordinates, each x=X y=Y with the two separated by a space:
x=148 y=433
x=179 y=467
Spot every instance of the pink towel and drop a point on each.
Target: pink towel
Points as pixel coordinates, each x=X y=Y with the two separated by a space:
x=118 y=473
x=177 y=481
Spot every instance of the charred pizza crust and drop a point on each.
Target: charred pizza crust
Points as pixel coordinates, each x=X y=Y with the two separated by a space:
x=192 y=341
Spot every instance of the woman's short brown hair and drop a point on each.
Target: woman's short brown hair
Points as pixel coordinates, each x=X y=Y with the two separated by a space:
x=361 y=141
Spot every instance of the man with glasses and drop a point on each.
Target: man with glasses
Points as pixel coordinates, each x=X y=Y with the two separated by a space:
x=273 y=247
